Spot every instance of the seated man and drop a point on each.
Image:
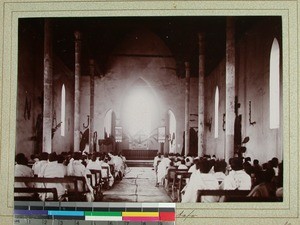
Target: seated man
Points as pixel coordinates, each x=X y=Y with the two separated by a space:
x=162 y=169
x=50 y=170
x=37 y=166
x=22 y=170
x=201 y=180
x=76 y=168
x=182 y=166
x=106 y=173
x=193 y=168
x=237 y=177
x=265 y=188
x=220 y=169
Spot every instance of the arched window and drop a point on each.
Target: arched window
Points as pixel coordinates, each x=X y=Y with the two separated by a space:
x=274 y=85
x=172 y=131
x=108 y=123
x=63 y=111
x=217 y=112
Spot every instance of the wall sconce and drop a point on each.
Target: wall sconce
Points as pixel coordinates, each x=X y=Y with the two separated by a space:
x=250 y=122
x=208 y=123
x=88 y=122
x=224 y=121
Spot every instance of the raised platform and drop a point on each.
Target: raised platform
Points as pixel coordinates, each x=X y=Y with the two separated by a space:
x=139 y=154
x=139 y=163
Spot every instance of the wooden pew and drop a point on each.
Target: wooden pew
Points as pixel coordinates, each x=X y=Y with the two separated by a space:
x=179 y=183
x=229 y=194
x=74 y=192
x=35 y=192
x=112 y=169
x=105 y=176
x=171 y=178
x=95 y=181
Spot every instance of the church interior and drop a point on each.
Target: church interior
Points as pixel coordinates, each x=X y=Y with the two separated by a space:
x=149 y=98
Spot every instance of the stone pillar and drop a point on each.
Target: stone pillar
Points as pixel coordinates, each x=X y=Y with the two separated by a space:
x=48 y=86
x=201 y=95
x=92 y=94
x=77 y=91
x=187 y=110
x=230 y=88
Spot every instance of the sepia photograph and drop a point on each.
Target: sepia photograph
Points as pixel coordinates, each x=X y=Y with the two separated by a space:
x=179 y=109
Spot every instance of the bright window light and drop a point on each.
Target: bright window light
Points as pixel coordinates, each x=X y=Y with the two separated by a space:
x=217 y=113
x=138 y=112
x=274 y=85
x=63 y=111
x=108 y=123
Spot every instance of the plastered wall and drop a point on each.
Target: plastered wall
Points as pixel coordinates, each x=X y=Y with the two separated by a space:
x=252 y=84
x=141 y=56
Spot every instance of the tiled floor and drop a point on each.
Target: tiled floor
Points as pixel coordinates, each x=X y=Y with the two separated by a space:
x=138 y=185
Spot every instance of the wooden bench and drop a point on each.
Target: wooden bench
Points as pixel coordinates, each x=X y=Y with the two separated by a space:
x=179 y=184
x=228 y=194
x=95 y=179
x=35 y=192
x=74 y=192
x=171 y=178
x=112 y=169
x=105 y=176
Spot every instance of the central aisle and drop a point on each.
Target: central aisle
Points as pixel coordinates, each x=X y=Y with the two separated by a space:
x=138 y=185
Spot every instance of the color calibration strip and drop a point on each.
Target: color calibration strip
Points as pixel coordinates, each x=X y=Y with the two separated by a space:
x=158 y=213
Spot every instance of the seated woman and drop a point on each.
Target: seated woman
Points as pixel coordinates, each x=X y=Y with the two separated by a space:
x=201 y=180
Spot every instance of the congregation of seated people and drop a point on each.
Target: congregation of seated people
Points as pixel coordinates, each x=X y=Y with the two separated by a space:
x=71 y=164
x=209 y=173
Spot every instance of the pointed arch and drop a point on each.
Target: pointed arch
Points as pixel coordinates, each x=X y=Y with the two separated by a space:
x=108 y=123
x=139 y=109
x=63 y=111
x=216 y=135
x=274 y=83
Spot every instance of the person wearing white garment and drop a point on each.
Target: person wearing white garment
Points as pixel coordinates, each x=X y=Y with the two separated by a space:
x=22 y=170
x=237 y=178
x=193 y=168
x=37 y=166
x=156 y=161
x=76 y=168
x=50 y=170
x=162 y=169
x=219 y=170
x=106 y=173
x=182 y=166
x=201 y=179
